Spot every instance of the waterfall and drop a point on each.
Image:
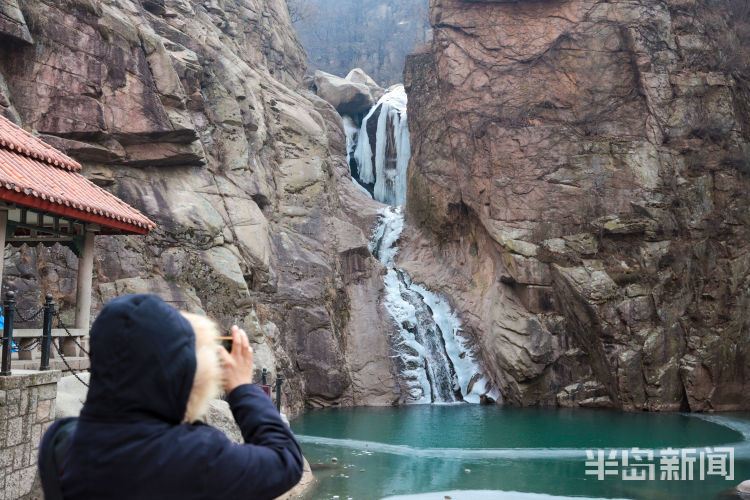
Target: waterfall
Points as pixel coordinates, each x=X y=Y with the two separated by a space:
x=385 y=177
x=435 y=364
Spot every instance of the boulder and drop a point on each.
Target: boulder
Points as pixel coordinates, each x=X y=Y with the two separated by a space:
x=358 y=75
x=220 y=416
x=348 y=97
x=304 y=483
x=71 y=394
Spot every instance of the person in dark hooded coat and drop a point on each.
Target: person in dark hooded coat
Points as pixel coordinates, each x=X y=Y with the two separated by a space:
x=153 y=371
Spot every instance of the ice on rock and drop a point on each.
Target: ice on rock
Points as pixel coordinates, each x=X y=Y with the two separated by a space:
x=392 y=148
x=437 y=366
x=352 y=133
x=363 y=151
x=386 y=234
x=465 y=366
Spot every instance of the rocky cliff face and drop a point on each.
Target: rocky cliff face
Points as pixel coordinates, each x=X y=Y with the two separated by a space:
x=191 y=111
x=580 y=178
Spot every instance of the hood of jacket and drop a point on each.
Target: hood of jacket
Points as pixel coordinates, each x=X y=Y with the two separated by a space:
x=143 y=361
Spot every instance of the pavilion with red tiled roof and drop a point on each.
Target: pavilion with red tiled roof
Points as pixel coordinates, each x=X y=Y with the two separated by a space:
x=36 y=175
x=45 y=199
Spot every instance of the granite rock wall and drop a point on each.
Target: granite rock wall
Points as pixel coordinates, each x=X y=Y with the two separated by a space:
x=579 y=185
x=192 y=112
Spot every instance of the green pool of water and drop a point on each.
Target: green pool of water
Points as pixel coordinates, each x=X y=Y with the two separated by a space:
x=417 y=449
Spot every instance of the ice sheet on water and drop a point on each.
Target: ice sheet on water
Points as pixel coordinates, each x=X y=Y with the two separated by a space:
x=741 y=425
x=458 y=454
x=481 y=495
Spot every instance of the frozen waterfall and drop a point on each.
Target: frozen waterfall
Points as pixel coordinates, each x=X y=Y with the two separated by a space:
x=436 y=366
x=352 y=133
x=381 y=172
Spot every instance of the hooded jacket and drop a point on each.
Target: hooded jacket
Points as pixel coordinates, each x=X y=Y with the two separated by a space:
x=153 y=371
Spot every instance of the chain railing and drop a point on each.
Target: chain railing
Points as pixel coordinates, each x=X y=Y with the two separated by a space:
x=31 y=318
x=45 y=340
x=29 y=347
x=34 y=343
x=60 y=324
x=70 y=369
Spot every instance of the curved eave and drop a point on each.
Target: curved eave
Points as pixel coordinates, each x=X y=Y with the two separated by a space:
x=107 y=224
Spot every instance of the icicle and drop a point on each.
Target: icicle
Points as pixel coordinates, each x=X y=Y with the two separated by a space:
x=381 y=141
x=363 y=152
x=388 y=177
x=404 y=155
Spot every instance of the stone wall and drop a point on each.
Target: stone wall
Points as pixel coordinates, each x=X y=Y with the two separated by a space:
x=27 y=408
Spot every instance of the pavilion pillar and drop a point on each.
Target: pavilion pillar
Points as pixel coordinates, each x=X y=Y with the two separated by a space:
x=83 y=290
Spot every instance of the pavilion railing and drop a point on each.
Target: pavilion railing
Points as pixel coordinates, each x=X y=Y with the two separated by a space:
x=29 y=340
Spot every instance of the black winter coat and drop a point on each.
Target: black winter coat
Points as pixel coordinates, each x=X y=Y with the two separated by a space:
x=130 y=443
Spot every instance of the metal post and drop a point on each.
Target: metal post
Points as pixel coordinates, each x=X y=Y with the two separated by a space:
x=49 y=311
x=264 y=383
x=278 y=391
x=9 y=308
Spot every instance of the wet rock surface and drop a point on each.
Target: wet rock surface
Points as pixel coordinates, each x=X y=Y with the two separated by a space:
x=193 y=113
x=579 y=186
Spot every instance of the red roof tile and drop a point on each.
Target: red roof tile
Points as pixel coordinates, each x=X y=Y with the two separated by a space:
x=36 y=175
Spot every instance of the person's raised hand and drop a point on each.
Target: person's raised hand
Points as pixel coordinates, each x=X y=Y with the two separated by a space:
x=238 y=364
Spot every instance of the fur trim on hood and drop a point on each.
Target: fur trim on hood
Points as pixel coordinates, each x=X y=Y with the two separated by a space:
x=207 y=380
